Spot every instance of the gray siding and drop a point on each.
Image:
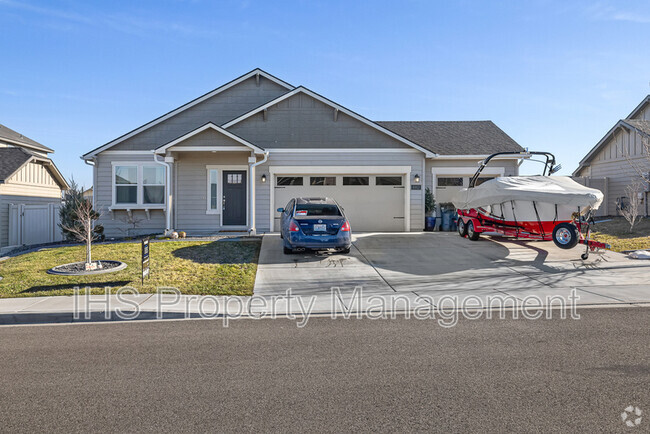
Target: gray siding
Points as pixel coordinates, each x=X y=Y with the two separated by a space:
x=208 y=137
x=5 y=200
x=219 y=109
x=304 y=122
x=407 y=158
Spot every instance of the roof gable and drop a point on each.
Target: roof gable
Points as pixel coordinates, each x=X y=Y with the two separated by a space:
x=216 y=106
x=12 y=160
x=336 y=111
x=208 y=135
x=642 y=105
x=12 y=137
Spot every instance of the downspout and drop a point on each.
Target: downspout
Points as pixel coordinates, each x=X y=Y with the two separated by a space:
x=252 y=230
x=168 y=178
x=93 y=164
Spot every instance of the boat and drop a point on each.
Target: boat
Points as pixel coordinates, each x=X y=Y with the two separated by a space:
x=542 y=207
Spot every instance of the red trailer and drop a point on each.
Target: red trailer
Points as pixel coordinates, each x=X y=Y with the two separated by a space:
x=544 y=204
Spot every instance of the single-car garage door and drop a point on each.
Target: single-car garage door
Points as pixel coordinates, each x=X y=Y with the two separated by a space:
x=370 y=202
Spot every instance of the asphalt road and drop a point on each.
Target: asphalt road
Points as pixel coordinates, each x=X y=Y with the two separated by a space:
x=334 y=375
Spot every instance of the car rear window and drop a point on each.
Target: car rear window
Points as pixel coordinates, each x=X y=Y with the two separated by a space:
x=316 y=209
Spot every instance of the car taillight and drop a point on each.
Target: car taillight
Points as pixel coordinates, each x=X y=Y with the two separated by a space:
x=346 y=226
x=293 y=227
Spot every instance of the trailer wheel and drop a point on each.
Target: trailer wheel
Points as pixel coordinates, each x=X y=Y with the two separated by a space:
x=462 y=227
x=565 y=235
x=471 y=233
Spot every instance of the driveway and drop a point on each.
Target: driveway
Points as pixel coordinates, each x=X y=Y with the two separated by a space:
x=443 y=264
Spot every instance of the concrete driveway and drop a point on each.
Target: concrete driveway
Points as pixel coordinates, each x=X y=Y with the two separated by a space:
x=443 y=264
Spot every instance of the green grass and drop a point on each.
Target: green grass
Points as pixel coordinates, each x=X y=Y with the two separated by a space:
x=194 y=267
x=617 y=233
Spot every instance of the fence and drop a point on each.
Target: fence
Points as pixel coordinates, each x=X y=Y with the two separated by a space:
x=34 y=224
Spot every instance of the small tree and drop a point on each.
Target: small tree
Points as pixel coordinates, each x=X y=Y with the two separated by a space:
x=632 y=208
x=77 y=218
x=429 y=202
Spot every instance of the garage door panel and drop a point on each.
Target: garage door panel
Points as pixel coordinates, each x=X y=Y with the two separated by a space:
x=368 y=207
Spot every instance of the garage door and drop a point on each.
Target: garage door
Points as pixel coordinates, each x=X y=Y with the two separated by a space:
x=448 y=185
x=370 y=202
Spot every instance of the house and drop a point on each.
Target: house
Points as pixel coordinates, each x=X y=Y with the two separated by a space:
x=229 y=159
x=30 y=192
x=620 y=158
x=88 y=194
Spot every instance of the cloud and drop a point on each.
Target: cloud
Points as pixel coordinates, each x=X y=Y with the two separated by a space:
x=606 y=12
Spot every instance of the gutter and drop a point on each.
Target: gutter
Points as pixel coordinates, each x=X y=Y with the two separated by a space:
x=93 y=164
x=251 y=205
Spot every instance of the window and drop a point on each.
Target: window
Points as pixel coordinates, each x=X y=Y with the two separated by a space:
x=356 y=180
x=481 y=179
x=213 y=199
x=139 y=184
x=289 y=180
x=450 y=182
x=388 y=180
x=126 y=184
x=234 y=178
x=317 y=209
x=153 y=184
x=289 y=208
x=322 y=180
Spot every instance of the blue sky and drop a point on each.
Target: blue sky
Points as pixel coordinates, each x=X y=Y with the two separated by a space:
x=554 y=75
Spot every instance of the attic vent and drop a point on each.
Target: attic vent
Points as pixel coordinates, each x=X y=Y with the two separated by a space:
x=336 y=114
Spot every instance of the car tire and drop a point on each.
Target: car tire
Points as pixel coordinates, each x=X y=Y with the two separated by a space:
x=345 y=251
x=471 y=233
x=565 y=236
x=281 y=236
x=462 y=227
x=287 y=250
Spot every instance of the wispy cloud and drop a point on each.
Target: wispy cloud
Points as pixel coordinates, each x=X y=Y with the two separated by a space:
x=607 y=12
x=129 y=24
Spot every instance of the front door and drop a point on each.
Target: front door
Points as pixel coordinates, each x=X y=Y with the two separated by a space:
x=234 y=198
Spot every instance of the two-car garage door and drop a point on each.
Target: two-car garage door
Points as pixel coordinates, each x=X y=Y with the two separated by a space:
x=370 y=202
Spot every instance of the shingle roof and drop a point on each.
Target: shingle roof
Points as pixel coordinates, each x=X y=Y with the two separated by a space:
x=17 y=138
x=12 y=159
x=639 y=124
x=455 y=137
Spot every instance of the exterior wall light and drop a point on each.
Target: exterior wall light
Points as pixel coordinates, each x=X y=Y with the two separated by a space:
x=264 y=177
x=416 y=179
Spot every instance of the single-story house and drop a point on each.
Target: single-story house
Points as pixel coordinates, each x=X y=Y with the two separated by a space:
x=31 y=187
x=620 y=158
x=229 y=159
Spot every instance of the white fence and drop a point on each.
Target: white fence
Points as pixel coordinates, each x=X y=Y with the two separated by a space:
x=34 y=224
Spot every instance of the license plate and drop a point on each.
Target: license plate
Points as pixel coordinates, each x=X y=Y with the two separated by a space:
x=320 y=228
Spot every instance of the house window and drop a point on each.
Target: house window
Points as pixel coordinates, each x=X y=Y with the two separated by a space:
x=153 y=185
x=234 y=178
x=126 y=184
x=388 y=180
x=356 y=180
x=450 y=182
x=289 y=180
x=322 y=180
x=139 y=184
x=213 y=198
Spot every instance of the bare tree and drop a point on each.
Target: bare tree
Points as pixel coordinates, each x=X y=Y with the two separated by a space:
x=131 y=223
x=632 y=208
x=640 y=165
x=80 y=226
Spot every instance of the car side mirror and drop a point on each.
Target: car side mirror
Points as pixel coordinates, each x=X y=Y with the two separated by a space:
x=280 y=209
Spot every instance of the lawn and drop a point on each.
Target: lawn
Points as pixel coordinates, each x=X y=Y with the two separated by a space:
x=617 y=233
x=194 y=267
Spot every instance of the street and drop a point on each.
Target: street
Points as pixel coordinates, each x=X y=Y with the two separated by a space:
x=333 y=375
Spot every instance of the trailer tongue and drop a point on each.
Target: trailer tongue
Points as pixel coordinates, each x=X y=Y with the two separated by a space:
x=540 y=207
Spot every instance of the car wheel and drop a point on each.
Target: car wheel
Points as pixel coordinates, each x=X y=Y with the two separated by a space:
x=345 y=250
x=287 y=251
x=565 y=235
x=471 y=233
x=281 y=235
x=462 y=227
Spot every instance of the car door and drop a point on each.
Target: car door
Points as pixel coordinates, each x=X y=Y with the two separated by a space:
x=285 y=218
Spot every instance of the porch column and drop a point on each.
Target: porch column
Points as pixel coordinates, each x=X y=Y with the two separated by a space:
x=251 y=195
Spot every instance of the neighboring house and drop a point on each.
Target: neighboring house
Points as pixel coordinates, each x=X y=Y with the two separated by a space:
x=88 y=194
x=229 y=159
x=617 y=158
x=30 y=191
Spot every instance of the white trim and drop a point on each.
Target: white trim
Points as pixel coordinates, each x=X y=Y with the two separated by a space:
x=477 y=157
x=247 y=145
x=189 y=105
x=210 y=148
x=301 y=89
x=40 y=148
x=140 y=186
x=342 y=170
x=127 y=152
x=340 y=150
x=220 y=168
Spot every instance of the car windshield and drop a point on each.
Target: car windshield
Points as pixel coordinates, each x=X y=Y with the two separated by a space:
x=316 y=209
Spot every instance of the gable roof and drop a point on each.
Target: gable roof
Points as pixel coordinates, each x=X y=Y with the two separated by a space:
x=354 y=115
x=640 y=107
x=10 y=136
x=218 y=129
x=13 y=159
x=455 y=137
x=639 y=125
x=253 y=73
